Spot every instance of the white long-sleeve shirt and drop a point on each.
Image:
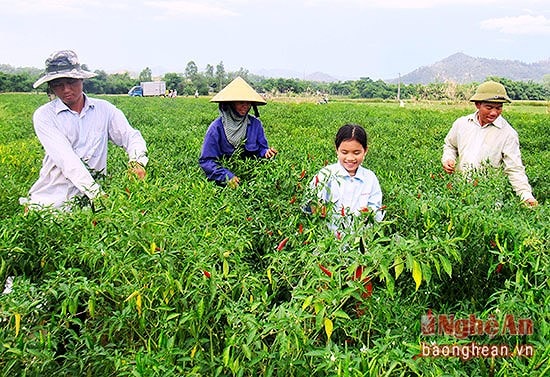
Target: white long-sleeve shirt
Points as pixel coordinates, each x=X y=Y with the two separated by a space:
x=75 y=146
x=496 y=143
x=348 y=195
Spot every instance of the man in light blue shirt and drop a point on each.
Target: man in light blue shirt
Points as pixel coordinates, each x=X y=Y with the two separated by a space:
x=74 y=130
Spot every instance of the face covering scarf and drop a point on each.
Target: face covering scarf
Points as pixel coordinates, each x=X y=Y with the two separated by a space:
x=234 y=125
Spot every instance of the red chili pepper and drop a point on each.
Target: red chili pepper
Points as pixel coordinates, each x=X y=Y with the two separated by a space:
x=316 y=180
x=368 y=290
x=292 y=200
x=282 y=244
x=499 y=268
x=367 y=282
x=325 y=270
x=206 y=273
x=302 y=174
x=300 y=228
x=358 y=273
x=343 y=211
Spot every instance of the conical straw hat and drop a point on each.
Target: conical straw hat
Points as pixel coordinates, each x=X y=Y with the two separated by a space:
x=238 y=90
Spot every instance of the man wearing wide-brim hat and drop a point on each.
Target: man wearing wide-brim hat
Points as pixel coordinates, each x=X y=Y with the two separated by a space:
x=485 y=137
x=235 y=129
x=74 y=130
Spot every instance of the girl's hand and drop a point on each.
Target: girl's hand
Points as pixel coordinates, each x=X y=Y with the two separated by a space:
x=271 y=152
x=532 y=202
x=449 y=166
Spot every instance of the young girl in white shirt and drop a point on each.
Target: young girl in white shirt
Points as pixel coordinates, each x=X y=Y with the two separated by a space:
x=351 y=193
x=347 y=187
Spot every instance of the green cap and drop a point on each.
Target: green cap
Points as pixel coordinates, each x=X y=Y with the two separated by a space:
x=490 y=91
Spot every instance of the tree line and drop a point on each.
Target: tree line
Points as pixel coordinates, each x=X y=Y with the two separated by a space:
x=212 y=79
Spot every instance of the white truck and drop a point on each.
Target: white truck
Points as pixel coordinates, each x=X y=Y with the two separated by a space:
x=148 y=88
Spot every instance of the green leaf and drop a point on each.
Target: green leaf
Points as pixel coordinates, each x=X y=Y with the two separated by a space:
x=390 y=285
x=307 y=302
x=417 y=273
x=398 y=266
x=91 y=306
x=447 y=267
x=172 y=316
x=225 y=267
x=329 y=326
x=226 y=354
x=246 y=351
x=341 y=314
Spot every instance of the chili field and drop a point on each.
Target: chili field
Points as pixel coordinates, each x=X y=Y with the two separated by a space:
x=175 y=276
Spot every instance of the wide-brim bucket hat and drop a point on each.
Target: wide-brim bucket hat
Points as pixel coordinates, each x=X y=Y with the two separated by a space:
x=63 y=64
x=239 y=90
x=491 y=91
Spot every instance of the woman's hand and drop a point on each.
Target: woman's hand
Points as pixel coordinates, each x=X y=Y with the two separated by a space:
x=271 y=152
x=234 y=182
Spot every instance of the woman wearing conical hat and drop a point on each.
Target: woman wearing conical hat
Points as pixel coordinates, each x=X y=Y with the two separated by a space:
x=235 y=129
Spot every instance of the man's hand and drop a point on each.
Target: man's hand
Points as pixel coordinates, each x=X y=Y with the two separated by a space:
x=271 y=152
x=137 y=170
x=449 y=166
x=99 y=203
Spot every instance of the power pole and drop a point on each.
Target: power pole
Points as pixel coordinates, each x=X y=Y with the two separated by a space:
x=399 y=89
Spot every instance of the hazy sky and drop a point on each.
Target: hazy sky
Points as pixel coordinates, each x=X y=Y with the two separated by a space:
x=346 y=39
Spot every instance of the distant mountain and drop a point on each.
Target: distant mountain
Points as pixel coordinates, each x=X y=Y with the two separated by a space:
x=461 y=68
x=279 y=73
x=289 y=74
x=320 y=77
